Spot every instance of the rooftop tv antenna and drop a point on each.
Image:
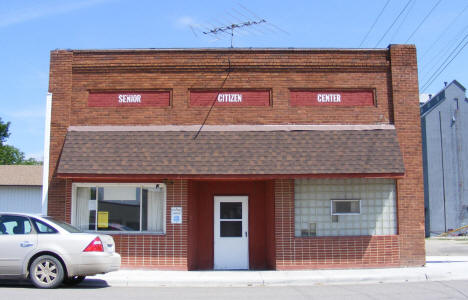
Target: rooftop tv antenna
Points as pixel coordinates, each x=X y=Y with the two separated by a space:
x=230 y=28
x=238 y=21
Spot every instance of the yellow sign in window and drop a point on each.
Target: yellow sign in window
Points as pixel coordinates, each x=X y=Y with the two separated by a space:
x=103 y=219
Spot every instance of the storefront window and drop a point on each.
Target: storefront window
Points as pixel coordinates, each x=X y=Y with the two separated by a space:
x=120 y=208
x=344 y=207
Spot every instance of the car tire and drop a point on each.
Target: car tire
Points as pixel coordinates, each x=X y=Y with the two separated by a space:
x=71 y=281
x=46 y=272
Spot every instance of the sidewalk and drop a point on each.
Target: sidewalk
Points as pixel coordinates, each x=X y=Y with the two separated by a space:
x=438 y=268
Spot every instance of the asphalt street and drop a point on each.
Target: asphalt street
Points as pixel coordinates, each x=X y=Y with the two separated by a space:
x=413 y=291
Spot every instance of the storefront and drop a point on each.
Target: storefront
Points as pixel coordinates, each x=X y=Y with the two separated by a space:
x=241 y=158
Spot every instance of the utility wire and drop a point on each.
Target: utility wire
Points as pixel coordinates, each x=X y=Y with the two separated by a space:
x=422 y=21
x=441 y=53
x=446 y=65
x=408 y=11
x=442 y=67
x=394 y=21
x=443 y=33
x=375 y=22
x=214 y=100
x=447 y=58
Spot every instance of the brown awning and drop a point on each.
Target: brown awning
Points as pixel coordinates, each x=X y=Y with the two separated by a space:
x=276 y=152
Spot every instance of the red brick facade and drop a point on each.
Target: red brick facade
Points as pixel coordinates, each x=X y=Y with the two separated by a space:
x=391 y=73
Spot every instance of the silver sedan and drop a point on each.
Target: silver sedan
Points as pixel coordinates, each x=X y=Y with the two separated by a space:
x=50 y=252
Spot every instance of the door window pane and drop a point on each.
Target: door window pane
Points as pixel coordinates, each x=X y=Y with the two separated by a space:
x=231 y=210
x=14 y=225
x=231 y=228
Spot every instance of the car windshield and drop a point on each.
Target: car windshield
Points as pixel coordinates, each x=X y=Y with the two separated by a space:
x=66 y=226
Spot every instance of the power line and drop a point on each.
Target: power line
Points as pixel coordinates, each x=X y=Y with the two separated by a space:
x=422 y=21
x=445 y=66
x=447 y=58
x=408 y=11
x=443 y=32
x=394 y=21
x=375 y=22
x=442 y=52
x=437 y=72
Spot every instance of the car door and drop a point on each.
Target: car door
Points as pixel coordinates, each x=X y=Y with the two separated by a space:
x=17 y=240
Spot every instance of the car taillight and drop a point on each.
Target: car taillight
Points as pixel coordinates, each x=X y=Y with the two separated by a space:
x=95 y=246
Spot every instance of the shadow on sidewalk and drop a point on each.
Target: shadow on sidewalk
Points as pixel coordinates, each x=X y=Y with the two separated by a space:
x=86 y=284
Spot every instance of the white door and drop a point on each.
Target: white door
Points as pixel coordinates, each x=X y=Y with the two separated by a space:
x=231 y=233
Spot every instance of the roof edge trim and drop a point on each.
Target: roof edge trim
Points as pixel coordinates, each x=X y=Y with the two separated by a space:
x=164 y=177
x=295 y=127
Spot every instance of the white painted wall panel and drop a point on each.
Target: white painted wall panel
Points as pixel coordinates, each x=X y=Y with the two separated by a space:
x=447 y=162
x=21 y=199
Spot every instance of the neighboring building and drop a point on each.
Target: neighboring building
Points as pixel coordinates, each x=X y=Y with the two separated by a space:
x=241 y=158
x=20 y=188
x=444 y=123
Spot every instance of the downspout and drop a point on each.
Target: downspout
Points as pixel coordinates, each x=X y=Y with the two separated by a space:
x=443 y=169
x=459 y=159
x=427 y=206
x=45 y=165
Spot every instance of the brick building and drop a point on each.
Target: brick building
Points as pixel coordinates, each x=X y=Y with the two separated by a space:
x=241 y=158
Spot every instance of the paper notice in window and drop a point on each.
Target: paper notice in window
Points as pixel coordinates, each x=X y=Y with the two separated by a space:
x=103 y=219
x=176 y=215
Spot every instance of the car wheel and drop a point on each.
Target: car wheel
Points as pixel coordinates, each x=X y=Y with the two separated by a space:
x=46 y=272
x=70 y=281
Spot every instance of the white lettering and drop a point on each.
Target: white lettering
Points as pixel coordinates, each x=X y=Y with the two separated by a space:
x=326 y=98
x=129 y=98
x=230 y=98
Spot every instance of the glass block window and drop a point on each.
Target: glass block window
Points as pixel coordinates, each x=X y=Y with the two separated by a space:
x=371 y=203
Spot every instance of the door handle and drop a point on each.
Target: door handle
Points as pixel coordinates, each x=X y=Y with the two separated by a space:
x=26 y=244
x=246 y=235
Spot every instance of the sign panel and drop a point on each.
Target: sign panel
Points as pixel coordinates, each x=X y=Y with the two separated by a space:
x=103 y=219
x=331 y=98
x=129 y=98
x=230 y=98
x=176 y=215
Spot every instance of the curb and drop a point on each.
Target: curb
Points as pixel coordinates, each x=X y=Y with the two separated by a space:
x=436 y=269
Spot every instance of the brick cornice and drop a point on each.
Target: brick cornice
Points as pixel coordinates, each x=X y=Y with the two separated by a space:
x=136 y=68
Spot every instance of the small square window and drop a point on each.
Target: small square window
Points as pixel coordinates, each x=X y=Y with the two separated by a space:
x=310 y=231
x=345 y=207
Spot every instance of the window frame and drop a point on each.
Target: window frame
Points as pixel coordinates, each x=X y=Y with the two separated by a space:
x=344 y=214
x=141 y=185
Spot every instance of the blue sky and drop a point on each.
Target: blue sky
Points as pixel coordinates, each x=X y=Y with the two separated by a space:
x=29 y=30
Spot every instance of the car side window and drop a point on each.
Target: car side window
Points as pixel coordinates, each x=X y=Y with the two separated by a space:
x=14 y=225
x=42 y=227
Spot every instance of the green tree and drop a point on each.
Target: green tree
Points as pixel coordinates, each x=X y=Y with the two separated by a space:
x=4 y=134
x=10 y=155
